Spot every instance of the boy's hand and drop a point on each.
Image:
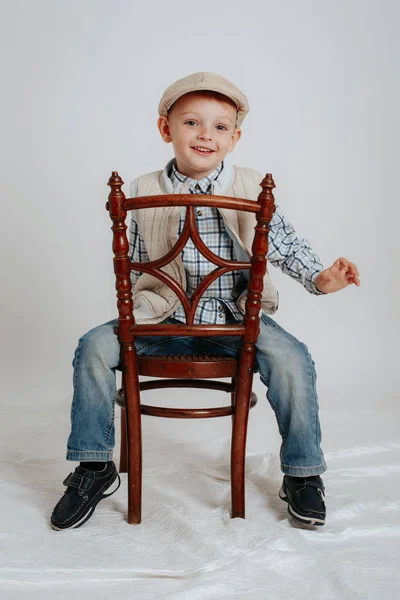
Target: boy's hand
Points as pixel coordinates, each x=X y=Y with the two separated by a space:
x=341 y=274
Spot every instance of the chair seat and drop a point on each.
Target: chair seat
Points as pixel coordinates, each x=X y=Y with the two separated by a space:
x=185 y=366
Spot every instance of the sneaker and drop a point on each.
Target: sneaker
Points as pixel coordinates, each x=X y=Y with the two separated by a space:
x=84 y=491
x=304 y=496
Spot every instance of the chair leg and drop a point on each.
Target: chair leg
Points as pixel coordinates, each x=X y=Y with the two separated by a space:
x=123 y=454
x=233 y=382
x=238 y=448
x=134 y=438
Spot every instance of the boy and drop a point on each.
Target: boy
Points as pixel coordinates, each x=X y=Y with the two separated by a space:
x=201 y=116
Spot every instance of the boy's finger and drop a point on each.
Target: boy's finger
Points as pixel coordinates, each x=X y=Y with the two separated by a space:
x=353 y=279
x=355 y=274
x=353 y=267
x=343 y=263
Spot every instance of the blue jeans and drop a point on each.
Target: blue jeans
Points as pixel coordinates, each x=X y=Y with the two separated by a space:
x=284 y=364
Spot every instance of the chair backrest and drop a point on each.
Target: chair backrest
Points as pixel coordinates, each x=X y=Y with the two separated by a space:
x=263 y=209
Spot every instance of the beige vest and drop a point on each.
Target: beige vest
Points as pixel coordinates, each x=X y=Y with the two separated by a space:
x=153 y=300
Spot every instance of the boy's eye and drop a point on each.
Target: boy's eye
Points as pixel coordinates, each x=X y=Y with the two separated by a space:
x=222 y=128
x=190 y=122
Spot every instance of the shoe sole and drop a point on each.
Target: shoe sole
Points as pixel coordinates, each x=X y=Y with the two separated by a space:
x=300 y=518
x=92 y=507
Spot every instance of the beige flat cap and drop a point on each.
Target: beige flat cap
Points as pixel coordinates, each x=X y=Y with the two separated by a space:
x=204 y=81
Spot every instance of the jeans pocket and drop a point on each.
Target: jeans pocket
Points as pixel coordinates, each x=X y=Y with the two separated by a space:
x=267 y=320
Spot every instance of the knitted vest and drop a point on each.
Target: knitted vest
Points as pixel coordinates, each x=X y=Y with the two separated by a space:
x=159 y=226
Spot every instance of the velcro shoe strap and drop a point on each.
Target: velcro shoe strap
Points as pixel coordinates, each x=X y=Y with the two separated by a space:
x=313 y=484
x=80 y=482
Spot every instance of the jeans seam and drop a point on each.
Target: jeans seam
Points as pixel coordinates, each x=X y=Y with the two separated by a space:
x=110 y=424
x=312 y=384
x=88 y=455
x=75 y=364
x=264 y=381
x=88 y=451
x=280 y=428
x=303 y=468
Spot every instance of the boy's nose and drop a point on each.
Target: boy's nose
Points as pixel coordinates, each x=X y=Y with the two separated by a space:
x=204 y=135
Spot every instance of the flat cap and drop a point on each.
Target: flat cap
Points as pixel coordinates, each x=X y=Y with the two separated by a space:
x=204 y=81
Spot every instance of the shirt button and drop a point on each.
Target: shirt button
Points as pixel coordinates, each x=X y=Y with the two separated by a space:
x=199 y=213
x=220 y=308
x=220 y=316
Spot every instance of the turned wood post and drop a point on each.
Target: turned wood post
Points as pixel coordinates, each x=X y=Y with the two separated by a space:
x=252 y=325
x=130 y=376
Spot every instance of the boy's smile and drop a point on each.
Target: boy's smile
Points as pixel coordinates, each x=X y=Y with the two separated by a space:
x=202 y=131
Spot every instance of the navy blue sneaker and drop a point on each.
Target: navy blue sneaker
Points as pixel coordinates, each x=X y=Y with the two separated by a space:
x=85 y=489
x=305 y=498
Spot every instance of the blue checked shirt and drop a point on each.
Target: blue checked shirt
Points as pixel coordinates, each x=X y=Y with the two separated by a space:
x=292 y=254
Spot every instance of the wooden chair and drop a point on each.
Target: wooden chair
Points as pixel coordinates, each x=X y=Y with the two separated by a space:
x=186 y=371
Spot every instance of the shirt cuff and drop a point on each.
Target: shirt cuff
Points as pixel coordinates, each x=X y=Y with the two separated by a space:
x=312 y=288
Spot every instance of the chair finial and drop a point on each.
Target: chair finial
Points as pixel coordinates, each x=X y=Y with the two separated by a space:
x=116 y=195
x=266 y=197
x=115 y=180
x=268 y=182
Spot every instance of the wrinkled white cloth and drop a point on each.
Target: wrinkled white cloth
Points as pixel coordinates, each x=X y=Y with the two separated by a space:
x=187 y=547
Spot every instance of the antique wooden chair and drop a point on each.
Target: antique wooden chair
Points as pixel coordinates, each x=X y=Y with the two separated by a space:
x=187 y=371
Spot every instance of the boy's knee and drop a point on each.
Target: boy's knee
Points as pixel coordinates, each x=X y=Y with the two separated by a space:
x=99 y=344
x=287 y=357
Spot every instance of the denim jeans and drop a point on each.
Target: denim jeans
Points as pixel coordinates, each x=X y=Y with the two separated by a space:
x=284 y=364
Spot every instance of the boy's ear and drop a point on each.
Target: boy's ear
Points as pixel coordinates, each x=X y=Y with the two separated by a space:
x=163 y=128
x=237 y=134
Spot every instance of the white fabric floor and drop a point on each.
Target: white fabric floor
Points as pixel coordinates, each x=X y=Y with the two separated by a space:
x=187 y=547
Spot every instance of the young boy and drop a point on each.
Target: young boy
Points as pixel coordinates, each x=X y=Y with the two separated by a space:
x=201 y=116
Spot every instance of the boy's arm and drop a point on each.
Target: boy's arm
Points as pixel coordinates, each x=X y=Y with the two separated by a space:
x=296 y=258
x=293 y=254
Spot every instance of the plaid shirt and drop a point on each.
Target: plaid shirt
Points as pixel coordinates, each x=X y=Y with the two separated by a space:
x=293 y=255
x=218 y=300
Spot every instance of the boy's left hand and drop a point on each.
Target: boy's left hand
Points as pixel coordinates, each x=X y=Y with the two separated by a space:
x=341 y=274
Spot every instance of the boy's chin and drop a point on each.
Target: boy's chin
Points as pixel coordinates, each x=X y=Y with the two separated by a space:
x=206 y=163
x=197 y=169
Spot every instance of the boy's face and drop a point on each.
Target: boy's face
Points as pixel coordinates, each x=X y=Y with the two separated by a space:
x=202 y=132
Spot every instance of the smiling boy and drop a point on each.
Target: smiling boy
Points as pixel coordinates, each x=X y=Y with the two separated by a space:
x=197 y=153
x=201 y=116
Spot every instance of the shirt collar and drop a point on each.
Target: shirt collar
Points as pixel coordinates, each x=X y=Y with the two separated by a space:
x=203 y=186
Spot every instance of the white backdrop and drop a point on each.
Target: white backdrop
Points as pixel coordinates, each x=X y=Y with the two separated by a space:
x=81 y=82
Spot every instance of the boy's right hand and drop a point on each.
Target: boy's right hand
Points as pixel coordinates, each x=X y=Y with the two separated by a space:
x=341 y=274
